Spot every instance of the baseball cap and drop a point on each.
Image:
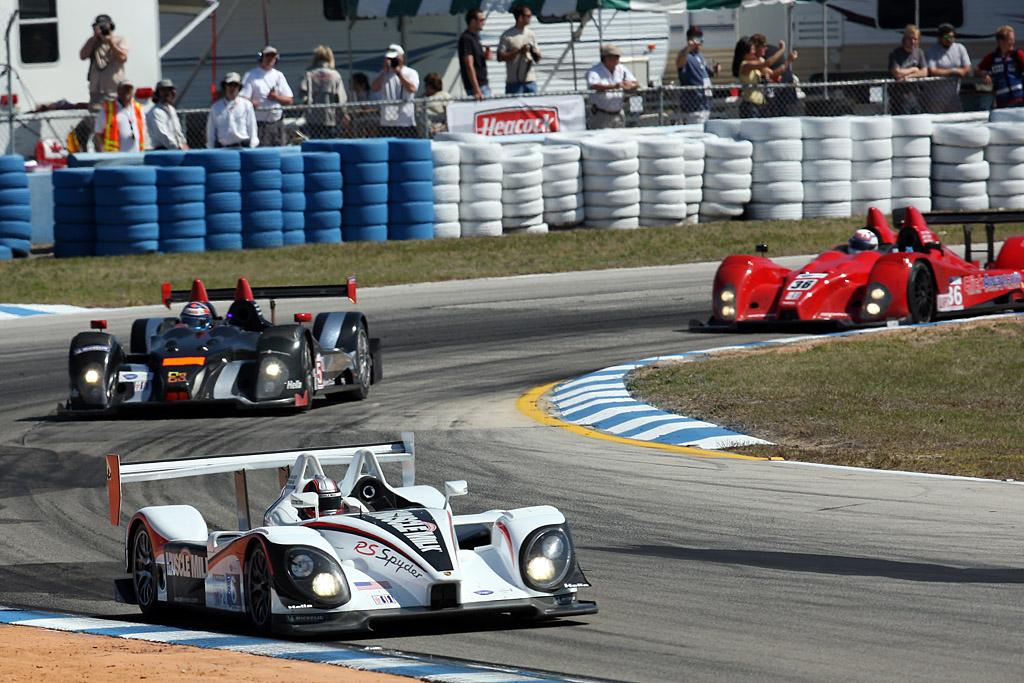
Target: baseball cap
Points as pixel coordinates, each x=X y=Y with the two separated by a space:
x=165 y=83
x=394 y=50
x=124 y=82
x=945 y=28
x=694 y=31
x=233 y=77
x=102 y=19
x=269 y=50
x=610 y=49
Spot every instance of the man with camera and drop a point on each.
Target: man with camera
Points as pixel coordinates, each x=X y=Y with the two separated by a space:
x=107 y=52
x=396 y=82
x=695 y=72
x=518 y=49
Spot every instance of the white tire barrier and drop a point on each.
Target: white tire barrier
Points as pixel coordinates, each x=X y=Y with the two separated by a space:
x=472 y=228
x=828 y=191
x=664 y=182
x=565 y=219
x=870 y=189
x=906 y=146
x=777 y=171
x=517 y=195
x=673 y=213
x=560 y=154
x=737 y=196
x=727 y=181
x=871 y=170
x=612 y=198
x=824 y=127
x=1004 y=154
x=446 y=175
x=785 y=127
x=609 y=150
x=946 y=154
x=534 y=178
x=830 y=148
x=1005 y=188
x=716 y=211
x=828 y=169
x=561 y=204
x=792 y=211
x=723 y=148
x=870 y=127
x=446 y=213
x=911 y=187
x=922 y=204
x=912 y=167
x=470 y=193
x=960 y=172
x=870 y=150
x=725 y=128
x=560 y=188
x=912 y=125
x=784 y=192
x=662 y=197
x=860 y=207
x=1005 y=171
x=666 y=166
x=446 y=194
x=447 y=230
x=569 y=170
x=480 y=211
x=619 y=167
x=628 y=223
x=474 y=153
x=828 y=209
x=715 y=165
x=960 y=135
x=694 y=167
x=607 y=183
x=445 y=153
x=948 y=188
x=978 y=203
x=778 y=150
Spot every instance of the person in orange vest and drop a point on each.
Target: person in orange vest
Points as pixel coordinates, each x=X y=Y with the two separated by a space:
x=119 y=124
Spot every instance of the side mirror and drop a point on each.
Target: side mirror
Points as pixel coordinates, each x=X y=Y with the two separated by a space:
x=308 y=499
x=455 y=488
x=761 y=248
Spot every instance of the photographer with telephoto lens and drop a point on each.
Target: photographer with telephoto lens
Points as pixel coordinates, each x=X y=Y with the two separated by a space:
x=107 y=53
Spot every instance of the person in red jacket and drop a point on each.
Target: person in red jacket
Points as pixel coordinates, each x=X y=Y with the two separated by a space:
x=1003 y=68
x=120 y=126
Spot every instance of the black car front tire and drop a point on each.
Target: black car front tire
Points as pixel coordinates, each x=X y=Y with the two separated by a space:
x=258 y=583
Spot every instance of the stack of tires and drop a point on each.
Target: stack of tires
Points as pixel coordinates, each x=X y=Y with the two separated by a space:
x=480 y=174
x=293 y=200
x=364 y=166
x=827 y=168
x=1005 y=157
x=323 y=186
x=223 y=196
x=911 y=162
x=871 y=177
x=261 y=198
x=74 y=209
x=563 y=185
x=959 y=170
x=693 y=152
x=611 y=184
x=522 y=189
x=777 y=172
x=410 y=190
x=126 y=210
x=725 y=191
x=15 y=208
x=181 y=208
x=445 y=156
x=662 y=179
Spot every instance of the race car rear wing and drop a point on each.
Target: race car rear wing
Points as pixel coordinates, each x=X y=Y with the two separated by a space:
x=119 y=473
x=243 y=290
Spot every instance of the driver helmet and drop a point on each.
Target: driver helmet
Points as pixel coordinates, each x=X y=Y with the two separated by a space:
x=329 y=493
x=863 y=240
x=197 y=315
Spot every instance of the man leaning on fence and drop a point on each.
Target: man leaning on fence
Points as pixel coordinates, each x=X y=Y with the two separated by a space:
x=906 y=63
x=1003 y=69
x=269 y=91
x=162 y=119
x=946 y=58
x=232 y=120
x=608 y=78
x=695 y=71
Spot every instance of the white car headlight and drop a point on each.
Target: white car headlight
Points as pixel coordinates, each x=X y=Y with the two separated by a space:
x=547 y=558
x=272 y=369
x=91 y=376
x=301 y=566
x=326 y=585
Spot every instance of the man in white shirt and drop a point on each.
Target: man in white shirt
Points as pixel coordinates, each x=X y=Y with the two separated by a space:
x=396 y=82
x=119 y=124
x=268 y=90
x=946 y=58
x=162 y=119
x=232 y=120
x=608 y=79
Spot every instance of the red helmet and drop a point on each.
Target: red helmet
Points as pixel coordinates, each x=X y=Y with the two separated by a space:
x=329 y=493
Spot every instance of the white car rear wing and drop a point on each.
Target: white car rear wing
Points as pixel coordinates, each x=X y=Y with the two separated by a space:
x=119 y=473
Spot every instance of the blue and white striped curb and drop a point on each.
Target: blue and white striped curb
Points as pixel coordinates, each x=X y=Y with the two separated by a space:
x=10 y=311
x=600 y=400
x=353 y=657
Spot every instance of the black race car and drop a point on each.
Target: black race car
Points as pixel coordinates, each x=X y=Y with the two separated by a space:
x=240 y=358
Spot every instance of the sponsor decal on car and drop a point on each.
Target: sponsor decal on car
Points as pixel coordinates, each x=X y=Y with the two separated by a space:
x=804 y=281
x=372 y=585
x=183 y=563
x=483 y=592
x=999 y=283
x=421 y=533
x=389 y=557
x=94 y=347
x=384 y=600
x=177 y=377
x=793 y=296
x=293 y=384
x=953 y=300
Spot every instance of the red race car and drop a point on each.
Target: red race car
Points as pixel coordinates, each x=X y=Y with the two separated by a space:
x=907 y=278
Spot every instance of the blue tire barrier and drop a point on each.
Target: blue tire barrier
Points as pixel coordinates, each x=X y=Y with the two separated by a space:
x=369 y=193
x=293 y=182
x=74 y=213
x=267 y=239
x=184 y=229
x=124 y=248
x=412 y=191
x=20 y=247
x=321 y=220
x=323 y=236
x=292 y=220
x=411 y=231
x=365 y=233
x=223 y=202
x=16 y=195
x=364 y=214
x=13 y=179
x=261 y=200
x=411 y=212
x=119 y=176
x=181 y=175
x=315 y=146
x=181 y=245
x=224 y=224
x=73 y=249
x=74 y=232
x=15 y=212
x=70 y=196
x=411 y=170
x=291 y=163
x=362 y=151
x=181 y=212
x=321 y=162
x=72 y=177
x=214 y=160
x=291 y=238
x=12 y=162
x=224 y=242
x=323 y=180
x=127 y=214
x=264 y=179
x=164 y=157
x=374 y=172
x=327 y=200
x=409 y=150
x=6 y=254
x=261 y=158
x=178 y=194
x=129 y=194
x=223 y=181
x=261 y=221
x=293 y=201
x=134 y=232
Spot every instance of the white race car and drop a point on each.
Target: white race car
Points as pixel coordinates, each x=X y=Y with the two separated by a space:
x=345 y=555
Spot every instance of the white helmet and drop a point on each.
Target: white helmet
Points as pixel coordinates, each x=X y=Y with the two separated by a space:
x=863 y=240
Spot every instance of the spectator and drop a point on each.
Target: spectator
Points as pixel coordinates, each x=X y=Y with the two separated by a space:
x=232 y=120
x=107 y=53
x=907 y=62
x=360 y=87
x=739 y=53
x=120 y=126
x=322 y=85
x=397 y=82
x=518 y=49
x=694 y=71
x=755 y=72
x=437 y=117
x=472 y=60
x=162 y=119
x=609 y=79
x=947 y=58
x=268 y=90
x=778 y=101
x=1003 y=69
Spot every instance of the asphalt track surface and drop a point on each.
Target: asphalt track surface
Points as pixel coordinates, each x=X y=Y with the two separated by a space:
x=703 y=568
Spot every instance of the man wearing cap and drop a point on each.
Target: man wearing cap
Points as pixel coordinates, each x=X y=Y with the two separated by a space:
x=396 y=82
x=518 y=49
x=947 y=58
x=232 y=120
x=268 y=90
x=107 y=53
x=608 y=78
x=119 y=124
x=694 y=71
x=162 y=119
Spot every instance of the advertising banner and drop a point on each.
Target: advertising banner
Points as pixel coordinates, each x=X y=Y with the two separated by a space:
x=518 y=115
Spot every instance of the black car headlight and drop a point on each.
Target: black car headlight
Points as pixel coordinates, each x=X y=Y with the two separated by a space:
x=272 y=377
x=91 y=384
x=316 y=576
x=546 y=558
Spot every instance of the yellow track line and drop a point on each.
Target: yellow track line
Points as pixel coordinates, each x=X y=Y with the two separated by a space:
x=527 y=405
